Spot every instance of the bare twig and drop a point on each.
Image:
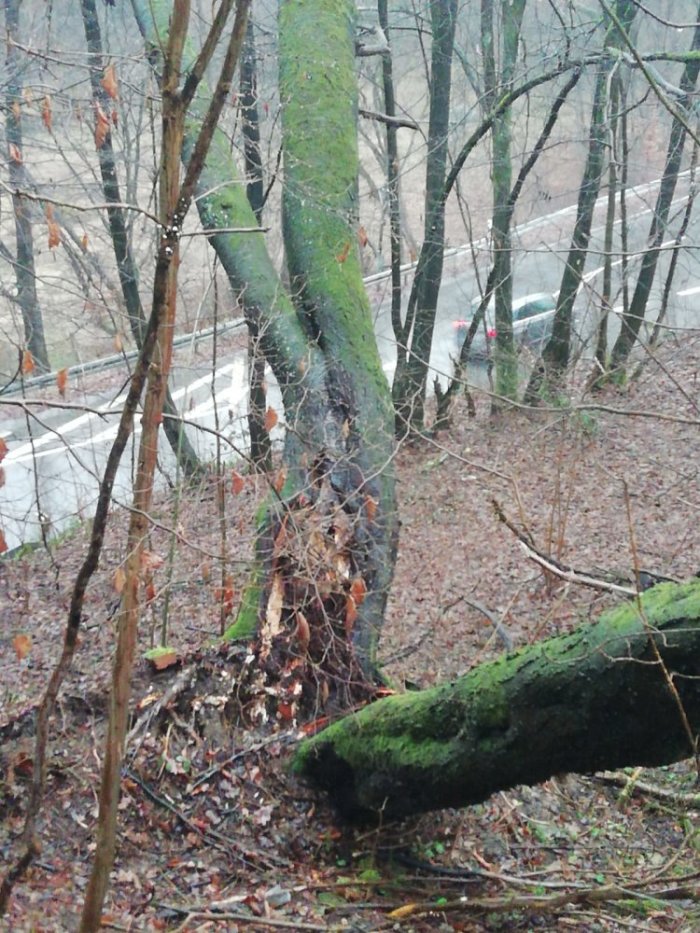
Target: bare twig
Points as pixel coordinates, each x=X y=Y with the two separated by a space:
x=560 y=570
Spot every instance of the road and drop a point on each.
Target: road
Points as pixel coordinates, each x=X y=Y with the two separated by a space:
x=51 y=474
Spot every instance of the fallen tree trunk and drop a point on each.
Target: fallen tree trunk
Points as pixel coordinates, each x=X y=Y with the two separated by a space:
x=624 y=691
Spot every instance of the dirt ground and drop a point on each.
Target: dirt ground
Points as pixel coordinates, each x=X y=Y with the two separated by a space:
x=216 y=834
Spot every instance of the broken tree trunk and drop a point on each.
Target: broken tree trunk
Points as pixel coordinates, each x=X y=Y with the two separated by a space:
x=624 y=691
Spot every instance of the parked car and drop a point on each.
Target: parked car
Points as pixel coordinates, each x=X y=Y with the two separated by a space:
x=532 y=324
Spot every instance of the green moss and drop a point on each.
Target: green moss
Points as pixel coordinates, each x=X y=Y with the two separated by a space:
x=246 y=624
x=465 y=734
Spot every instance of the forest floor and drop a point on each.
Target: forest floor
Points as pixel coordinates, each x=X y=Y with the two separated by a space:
x=214 y=832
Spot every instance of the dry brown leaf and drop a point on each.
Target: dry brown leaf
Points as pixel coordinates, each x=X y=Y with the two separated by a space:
x=15 y=153
x=109 y=82
x=119 y=580
x=350 y=614
x=118 y=343
x=54 y=229
x=358 y=590
x=28 y=365
x=237 y=483
x=3 y=542
x=371 y=508
x=362 y=237
x=101 y=126
x=84 y=242
x=302 y=632
x=16 y=110
x=270 y=419
x=2 y=477
x=280 y=479
x=151 y=561
x=22 y=645
x=343 y=254
x=62 y=381
x=3 y=449
x=46 y=113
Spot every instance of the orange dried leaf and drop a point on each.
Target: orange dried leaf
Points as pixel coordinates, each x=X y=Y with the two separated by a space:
x=3 y=543
x=311 y=728
x=15 y=153
x=47 y=113
x=302 y=632
x=362 y=237
x=358 y=590
x=280 y=480
x=343 y=254
x=118 y=343
x=109 y=82
x=371 y=508
x=286 y=711
x=237 y=483
x=84 y=242
x=3 y=449
x=119 y=579
x=151 y=561
x=28 y=365
x=206 y=571
x=114 y=116
x=101 y=126
x=62 y=381
x=271 y=419
x=54 y=229
x=150 y=591
x=350 y=614
x=224 y=595
x=22 y=645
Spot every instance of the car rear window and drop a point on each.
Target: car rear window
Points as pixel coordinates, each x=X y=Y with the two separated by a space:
x=539 y=306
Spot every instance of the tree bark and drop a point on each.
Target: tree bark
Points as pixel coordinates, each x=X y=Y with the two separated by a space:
x=173 y=428
x=318 y=89
x=501 y=175
x=412 y=361
x=599 y=697
x=25 y=272
x=555 y=356
x=260 y=444
x=632 y=320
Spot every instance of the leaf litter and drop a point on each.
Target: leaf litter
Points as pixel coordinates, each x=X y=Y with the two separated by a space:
x=215 y=834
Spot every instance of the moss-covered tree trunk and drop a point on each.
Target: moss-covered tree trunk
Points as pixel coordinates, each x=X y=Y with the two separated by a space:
x=511 y=16
x=624 y=691
x=350 y=479
x=327 y=542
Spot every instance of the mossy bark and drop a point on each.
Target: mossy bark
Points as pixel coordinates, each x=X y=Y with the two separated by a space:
x=595 y=698
x=321 y=347
x=318 y=88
